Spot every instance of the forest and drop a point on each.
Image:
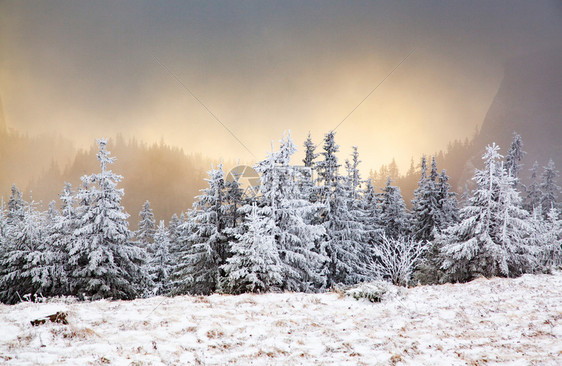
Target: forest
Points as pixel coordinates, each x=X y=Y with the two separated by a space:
x=310 y=227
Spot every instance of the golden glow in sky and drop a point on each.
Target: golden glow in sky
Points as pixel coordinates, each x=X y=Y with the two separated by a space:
x=85 y=70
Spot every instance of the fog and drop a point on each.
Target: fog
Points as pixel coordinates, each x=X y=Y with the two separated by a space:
x=88 y=69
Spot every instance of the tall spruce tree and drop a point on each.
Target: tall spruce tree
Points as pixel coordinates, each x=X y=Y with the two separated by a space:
x=549 y=187
x=255 y=264
x=146 y=228
x=203 y=241
x=294 y=232
x=533 y=193
x=514 y=157
x=393 y=217
x=492 y=238
x=103 y=262
x=161 y=262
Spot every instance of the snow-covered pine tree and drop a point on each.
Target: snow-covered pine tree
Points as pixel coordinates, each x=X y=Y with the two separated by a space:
x=393 y=217
x=549 y=188
x=161 y=262
x=513 y=158
x=425 y=213
x=21 y=237
x=294 y=232
x=447 y=202
x=203 y=241
x=369 y=204
x=146 y=228
x=492 y=238
x=46 y=261
x=16 y=206
x=327 y=168
x=255 y=264
x=533 y=193
x=307 y=186
x=344 y=242
x=174 y=235
x=103 y=262
x=551 y=250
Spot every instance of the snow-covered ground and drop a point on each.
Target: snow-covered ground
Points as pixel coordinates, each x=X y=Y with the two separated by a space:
x=485 y=322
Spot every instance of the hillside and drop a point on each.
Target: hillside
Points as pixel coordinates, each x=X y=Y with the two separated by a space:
x=495 y=321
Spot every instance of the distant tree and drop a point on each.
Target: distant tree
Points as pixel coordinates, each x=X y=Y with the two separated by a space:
x=307 y=186
x=161 y=262
x=146 y=227
x=549 y=189
x=514 y=157
x=393 y=218
x=533 y=191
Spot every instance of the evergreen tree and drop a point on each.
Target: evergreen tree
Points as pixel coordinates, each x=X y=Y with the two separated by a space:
x=492 y=238
x=327 y=169
x=533 y=191
x=345 y=238
x=203 y=241
x=147 y=227
x=294 y=232
x=425 y=214
x=447 y=202
x=174 y=235
x=513 y=158
x=307 y=186
x=551 y=250
x=23 y=239
x=255 y=265
x=103 y=263
x=160 y=262
x=549 y=189
x=47 y=261
x=393 y=217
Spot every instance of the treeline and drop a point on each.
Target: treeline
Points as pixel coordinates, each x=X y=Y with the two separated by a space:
x=40 y=166
x=309 y=228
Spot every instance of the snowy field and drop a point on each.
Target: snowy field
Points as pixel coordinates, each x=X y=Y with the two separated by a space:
x=485 y=322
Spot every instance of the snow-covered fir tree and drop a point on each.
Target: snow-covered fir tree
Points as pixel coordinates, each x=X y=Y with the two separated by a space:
x=48 y=259
x=492 y=238
x=296 y=236
x=549 y=187
x=514 y=157
x=146 y=228
x=23 y=238
x=103 y=262
x=161 y=263
x=344 y=243
x=203 y=241
x=174 y=235
x=551 y=243
x=307 y=185
x=393 y=214
x=447 y=202
x=426 y=213
x=369 y=205
x=255 y=264
x=533 y=193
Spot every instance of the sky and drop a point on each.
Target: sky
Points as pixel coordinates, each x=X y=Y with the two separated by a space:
x=90 y=69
